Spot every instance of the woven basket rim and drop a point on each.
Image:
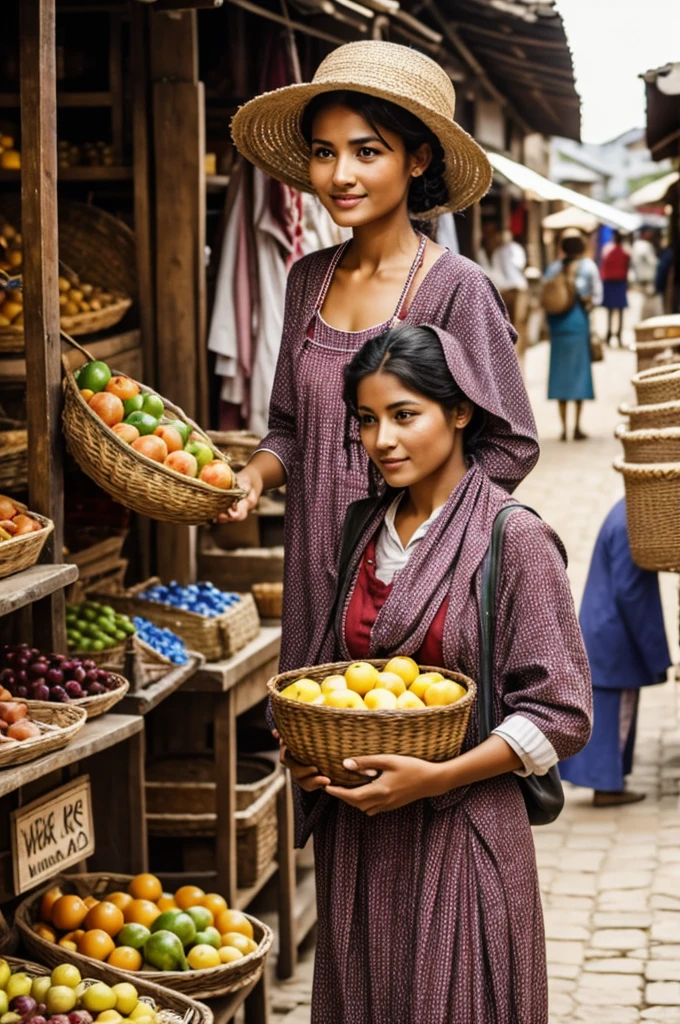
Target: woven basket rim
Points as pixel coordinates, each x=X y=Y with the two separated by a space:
x=647 y=434
x=176 y=478
x=663 y=371
x=636 y=410
x=658 y=344
x=20 y=751
x=648 y=470
x=410 y=714
x=16 y=541
x=103 y=701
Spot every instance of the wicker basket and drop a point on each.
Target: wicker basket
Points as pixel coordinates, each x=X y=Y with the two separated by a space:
x=21 y=553
x=206 y=984
x=652 y=417
x=238 y=445
x=103 y=702
x=653 y=513
x=256 y=817
x=216 y=638
x=645 y=446
x=269 y=598
x=58 y=723
x=657 y=328
x=13 y=459
x=656 y=353
x=171 y=1007
x=323 y=736
x=658 y=384
x=113 y=658
x=139 y=483
x=100 y=249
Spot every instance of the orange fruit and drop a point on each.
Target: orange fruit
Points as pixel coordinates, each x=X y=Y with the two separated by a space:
x=172 y=438
x=123 y=387
x=68 y=912
x=166 y=902
x=119 y=899
x=96 y=943
x=189 y=896
x=45 y=932
x=214 y=903
x=234 y=921
x=107 y=407
x=87 y=394
x=145 y=887
x=90 y=902
x=126 y=432
x=48 y=901
x=154 y=448
x=141 y=912
x=125 y=957
x=107 y=917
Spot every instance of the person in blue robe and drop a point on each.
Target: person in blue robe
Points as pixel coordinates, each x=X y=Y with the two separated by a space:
x=623 y=629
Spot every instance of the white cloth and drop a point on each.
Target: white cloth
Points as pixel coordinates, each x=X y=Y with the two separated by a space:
x=505 y=267
x=643 y=261
x=533 y=748
x=223 y=335
x=446 y=233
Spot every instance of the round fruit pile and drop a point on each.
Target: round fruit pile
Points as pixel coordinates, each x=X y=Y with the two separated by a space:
x=400 y=684
x=62 y=997
x=14 y=522
x=200 y=598
x=28 y=674
x=144 y=928
x=139 y=419
x=15 y=722
x=91 y=626
x=164 y=641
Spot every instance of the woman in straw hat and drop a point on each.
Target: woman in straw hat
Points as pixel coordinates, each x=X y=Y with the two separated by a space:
x=373 y=137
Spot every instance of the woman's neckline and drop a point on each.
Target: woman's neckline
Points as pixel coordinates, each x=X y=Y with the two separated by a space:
x=373 y=327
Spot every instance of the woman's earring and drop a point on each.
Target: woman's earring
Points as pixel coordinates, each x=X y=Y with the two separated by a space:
x=416 y=173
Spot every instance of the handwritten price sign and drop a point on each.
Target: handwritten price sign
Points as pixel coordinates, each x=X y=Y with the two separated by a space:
x=52 y=833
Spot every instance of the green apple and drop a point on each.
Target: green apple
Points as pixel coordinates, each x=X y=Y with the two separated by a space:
x=133 y=404
x=153 y=405
x=201 y=452
x=143 y=421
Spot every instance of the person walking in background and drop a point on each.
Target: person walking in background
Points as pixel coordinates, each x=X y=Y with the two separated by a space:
x=644 y=262
x=576 y=278
x=614 y=265
x=504 y=261
x=623 y=629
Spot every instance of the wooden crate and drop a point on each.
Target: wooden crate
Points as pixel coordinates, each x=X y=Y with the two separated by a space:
x=238 y=570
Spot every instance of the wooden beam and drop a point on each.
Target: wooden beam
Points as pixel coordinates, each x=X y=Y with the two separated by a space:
x=187 y=5
x=543 y=69
x=116 y=86
x=174 y=47
x=141 y=160
x=41 y=294
x=509 y=37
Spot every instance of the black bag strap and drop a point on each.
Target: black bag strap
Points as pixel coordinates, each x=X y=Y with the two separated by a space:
x=491 y=568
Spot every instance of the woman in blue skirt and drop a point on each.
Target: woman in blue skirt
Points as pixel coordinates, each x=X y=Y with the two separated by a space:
x=570 y=378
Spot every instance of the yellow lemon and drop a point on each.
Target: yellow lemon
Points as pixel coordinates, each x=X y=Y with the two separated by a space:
x=203 y=956
x=228 y=954
x=421 y=683
x=333 y=683
x=406 y=668
x=305 y=690
x=361 y=677
x=436 y=676
x=319 y=700
x=444 y=693
x=378 y=700
x=239 y=941
x=344 y=699
x=390 y=681
x=409 y=700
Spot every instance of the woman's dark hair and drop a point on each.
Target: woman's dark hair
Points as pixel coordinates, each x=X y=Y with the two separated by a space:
x=426 y=191
x=414 y=355
x=573 y=247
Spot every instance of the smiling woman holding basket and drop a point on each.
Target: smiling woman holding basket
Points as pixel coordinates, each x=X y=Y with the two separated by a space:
x=374 y=137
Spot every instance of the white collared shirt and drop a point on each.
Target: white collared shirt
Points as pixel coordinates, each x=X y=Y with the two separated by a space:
x=534 y=749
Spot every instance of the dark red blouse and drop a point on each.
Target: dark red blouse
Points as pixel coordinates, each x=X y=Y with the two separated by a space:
x=368 y=597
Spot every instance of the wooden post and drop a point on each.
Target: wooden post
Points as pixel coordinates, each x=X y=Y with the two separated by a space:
x=41 y=295
x=225 y=795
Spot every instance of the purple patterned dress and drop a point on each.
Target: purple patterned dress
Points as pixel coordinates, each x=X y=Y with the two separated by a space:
x=307 y=418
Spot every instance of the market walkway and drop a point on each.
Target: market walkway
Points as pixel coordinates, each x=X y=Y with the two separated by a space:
x=610 y=878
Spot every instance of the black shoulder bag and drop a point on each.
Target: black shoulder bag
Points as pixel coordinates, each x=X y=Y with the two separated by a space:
x=543 y=794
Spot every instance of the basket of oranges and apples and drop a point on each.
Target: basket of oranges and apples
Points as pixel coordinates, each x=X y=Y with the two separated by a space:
x=22 y=536
x=141 y=449
x=330 y=712
x=189 y=941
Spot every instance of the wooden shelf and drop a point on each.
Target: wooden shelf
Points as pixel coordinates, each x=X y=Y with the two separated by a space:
x=79 y=174
x=217 y=182
x=64 y=99
x=97 y=735
x=13 y=368
x=145 y=700
x=32 y=584
x=220 y=676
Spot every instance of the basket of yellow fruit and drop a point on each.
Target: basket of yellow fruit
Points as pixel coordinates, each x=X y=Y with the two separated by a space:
x=35 y=993
x=141 y=449
x=188 y=941
x=328 y=713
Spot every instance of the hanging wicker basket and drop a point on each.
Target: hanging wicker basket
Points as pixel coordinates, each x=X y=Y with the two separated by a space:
x=652 y=417
x=658 y=384
x=653 y=513
x=139 y=483
x=269 y=599
x=21 y=553
x=325 y=736
x=650 y=446
x=13 y=459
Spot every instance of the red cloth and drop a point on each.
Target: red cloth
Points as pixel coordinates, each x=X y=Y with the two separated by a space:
x=369 y=596
x=615 y=263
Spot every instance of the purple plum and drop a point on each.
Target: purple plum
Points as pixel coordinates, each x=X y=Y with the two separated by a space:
x=79 y=674
x=22 y=691
x=37 y=670
x=25 y=1005
x=58 y=695
x=80 y=1017
x=55 y=677
x=94 y=689
x=39 y=690
x=74 y=689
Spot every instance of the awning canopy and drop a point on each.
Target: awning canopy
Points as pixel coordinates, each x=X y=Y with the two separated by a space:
x=654 y=191
x=535 y=185
x=571 y=217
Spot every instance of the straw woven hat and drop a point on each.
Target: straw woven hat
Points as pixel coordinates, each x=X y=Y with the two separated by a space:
x=267 y=129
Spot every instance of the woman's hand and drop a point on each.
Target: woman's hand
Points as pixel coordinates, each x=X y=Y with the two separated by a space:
x=306 y=776
x=250 y=481
x=399 y=781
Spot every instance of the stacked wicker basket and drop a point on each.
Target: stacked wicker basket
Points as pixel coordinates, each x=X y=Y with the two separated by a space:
x=651 y=467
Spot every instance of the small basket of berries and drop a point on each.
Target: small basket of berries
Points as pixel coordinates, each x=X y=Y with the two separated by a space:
x=330 y=712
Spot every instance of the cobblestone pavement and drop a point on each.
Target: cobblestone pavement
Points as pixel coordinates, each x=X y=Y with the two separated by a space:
x=610 y=878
